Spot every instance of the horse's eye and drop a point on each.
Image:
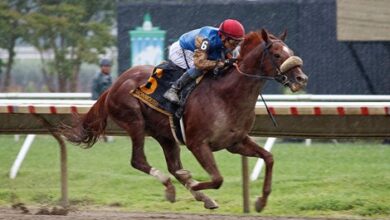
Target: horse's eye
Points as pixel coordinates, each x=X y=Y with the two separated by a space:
x=277 y=56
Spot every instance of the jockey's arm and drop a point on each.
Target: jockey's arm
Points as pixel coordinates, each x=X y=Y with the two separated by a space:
x=200 y=56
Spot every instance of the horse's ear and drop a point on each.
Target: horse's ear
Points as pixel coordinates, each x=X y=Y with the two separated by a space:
x=264 y=35
x=283 y=35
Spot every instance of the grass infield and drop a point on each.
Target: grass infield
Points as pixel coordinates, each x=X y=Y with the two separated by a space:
x=348 y=180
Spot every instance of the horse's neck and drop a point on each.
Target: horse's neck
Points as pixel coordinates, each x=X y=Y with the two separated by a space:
x=239 y=90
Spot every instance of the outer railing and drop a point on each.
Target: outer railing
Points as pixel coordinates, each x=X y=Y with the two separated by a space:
x=299 y=119
x=39 y=95
x=301 y=97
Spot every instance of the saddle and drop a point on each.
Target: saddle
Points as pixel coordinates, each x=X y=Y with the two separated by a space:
x=151 y=93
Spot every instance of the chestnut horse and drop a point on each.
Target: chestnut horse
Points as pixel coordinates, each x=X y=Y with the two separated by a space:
x=218 y=115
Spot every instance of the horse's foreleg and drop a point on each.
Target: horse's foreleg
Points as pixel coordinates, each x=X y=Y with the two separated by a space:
x=172 y=156
x=205 y=157
x=249 y=148
x=184 y=176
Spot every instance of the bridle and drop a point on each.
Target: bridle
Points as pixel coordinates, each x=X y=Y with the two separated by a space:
x=279 y=76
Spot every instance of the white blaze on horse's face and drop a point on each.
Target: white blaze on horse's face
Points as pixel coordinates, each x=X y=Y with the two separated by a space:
x=287 y=50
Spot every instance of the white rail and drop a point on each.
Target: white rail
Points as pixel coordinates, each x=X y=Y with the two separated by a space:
x=15 y=95
x=267 y=97
x=328 y=98
x=46 y=102
x=277 y=108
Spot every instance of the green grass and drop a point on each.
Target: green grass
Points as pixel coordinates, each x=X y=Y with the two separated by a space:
x=345 y=180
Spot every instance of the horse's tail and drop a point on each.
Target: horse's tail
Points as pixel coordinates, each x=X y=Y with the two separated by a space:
x=87 y=129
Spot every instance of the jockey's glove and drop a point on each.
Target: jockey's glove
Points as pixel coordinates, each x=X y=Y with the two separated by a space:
x=229 y=62
x=216 y=71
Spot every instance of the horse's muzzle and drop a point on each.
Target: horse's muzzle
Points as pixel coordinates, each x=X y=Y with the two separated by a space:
x=298 y=80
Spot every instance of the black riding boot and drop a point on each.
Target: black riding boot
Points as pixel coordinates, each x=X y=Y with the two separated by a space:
x=171 y=94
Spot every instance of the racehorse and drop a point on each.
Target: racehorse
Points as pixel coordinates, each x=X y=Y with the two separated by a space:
x=218 y=115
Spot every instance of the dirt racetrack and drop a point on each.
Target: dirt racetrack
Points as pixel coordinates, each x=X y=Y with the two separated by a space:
x=17 y=214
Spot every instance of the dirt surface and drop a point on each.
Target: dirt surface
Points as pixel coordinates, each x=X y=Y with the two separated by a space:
x=20 y=212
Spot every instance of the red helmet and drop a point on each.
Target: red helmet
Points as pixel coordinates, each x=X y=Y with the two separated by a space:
x=232 y=28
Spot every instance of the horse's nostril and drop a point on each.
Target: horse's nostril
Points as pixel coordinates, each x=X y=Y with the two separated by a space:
x=301 y=79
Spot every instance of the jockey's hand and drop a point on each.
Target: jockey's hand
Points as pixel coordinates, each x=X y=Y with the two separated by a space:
x=216 y=72
x=230 y=62
x=220 y=64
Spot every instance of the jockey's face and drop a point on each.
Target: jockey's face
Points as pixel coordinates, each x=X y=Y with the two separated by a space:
x=230 y=43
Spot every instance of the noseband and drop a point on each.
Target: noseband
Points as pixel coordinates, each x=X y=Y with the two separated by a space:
x=280 y=76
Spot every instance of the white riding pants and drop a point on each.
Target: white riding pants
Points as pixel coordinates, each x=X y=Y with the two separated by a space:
x=176 y=55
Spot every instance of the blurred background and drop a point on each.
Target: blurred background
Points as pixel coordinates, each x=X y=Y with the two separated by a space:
x=53 y=45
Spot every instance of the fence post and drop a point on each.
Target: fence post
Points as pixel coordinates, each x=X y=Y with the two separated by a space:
x=245 y=184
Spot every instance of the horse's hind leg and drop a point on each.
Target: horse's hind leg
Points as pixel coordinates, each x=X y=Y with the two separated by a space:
x=135 y=129
x=172 y=156
x=251 y=149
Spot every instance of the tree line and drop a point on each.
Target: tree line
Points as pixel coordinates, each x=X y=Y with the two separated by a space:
x=74 y=31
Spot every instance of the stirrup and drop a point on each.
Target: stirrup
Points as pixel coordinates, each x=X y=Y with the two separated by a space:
x=171 y=95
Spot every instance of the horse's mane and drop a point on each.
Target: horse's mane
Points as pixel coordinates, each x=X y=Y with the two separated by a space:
x=251 y=40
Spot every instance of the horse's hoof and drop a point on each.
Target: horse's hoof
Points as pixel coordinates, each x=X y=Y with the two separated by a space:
x=197 y=195
x=210 y=204
x=259 y=204
x=170 y=194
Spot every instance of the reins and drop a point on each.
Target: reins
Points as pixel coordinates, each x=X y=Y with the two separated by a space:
x=252 y=76
x=269 y=112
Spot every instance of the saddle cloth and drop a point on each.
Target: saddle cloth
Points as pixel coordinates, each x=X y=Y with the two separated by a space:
x=151 y=93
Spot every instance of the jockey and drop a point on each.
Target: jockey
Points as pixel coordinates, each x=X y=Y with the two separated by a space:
x=203 y=49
